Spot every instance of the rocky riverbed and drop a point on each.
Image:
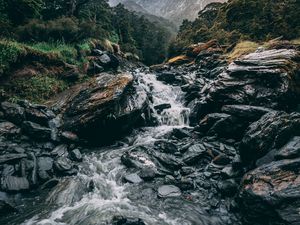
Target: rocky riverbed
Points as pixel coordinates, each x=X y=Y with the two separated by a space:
x=205 y=143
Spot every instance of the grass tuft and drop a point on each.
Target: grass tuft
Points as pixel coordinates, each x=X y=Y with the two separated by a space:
x=242 y=48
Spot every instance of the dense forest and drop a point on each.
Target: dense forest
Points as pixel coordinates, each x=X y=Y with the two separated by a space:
x=241 y=20
x=72 y=22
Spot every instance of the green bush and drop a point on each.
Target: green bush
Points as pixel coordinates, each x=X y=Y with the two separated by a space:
x=9 y=53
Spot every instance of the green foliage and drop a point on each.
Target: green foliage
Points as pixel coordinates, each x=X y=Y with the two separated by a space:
x=241 y=20
x=9 y=53
x=73 y=21
x=37 y=88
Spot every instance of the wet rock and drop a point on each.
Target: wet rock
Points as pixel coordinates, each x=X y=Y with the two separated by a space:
x=221 y=160
x=208 y=121
x=267 y=78
x=39 y=114
x=107 y=106
x=162 y=107
x=50 y=184
x=228 y=188
x=290 y=150
x=14 y=184
x=270 y=193
x=11 y=158
x=166 y=147
x=9 y=129
x=63 y=164
x=167 y=77
x=13 y=112
x=45 y=167
x=36 y=131
x=69 y=136
x=194 y=154
x=247 y=112
x=120 y=220
x=133 y=178
x=60 y=150
x=76 y=155
x=136 y=158
x=180 y=133
x=147 y=174
x=6 y=208
x=167 y=191
x=273 y=130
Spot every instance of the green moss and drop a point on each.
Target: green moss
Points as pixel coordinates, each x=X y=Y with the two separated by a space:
x=37 y=88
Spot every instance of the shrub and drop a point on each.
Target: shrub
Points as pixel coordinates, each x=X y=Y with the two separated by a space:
x=9 y=53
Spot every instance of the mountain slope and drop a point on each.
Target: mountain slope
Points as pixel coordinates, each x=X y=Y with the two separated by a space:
x=174 y=10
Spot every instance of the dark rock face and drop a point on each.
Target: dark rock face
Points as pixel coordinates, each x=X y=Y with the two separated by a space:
x=36 y=131
x=106 y=107
x=273 y=130
x=290 y=150
x=267 y=78
x=270 y=193
x=13 y=112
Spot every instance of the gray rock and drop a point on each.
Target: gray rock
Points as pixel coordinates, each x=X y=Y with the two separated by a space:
x=9 y=129
x=133 y=178
x=290 y=150
x=76 y=155
x=166 y=191
x=14 y=184
x=8 y=158
x=36 y=131
x=13 y=112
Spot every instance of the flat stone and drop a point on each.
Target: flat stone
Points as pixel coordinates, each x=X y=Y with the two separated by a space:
x=9 y=129
x=7 y=158
x=166 y=191
x=133 y=178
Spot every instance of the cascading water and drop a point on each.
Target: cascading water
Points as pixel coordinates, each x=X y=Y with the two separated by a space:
x=78 y=201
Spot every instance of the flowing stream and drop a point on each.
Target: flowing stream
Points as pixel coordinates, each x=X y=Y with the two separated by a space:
x=98 y=193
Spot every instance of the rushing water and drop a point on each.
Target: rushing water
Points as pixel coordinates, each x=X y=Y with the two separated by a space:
x=75 y=204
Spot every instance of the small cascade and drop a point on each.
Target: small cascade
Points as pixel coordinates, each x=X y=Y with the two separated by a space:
x=112 y=197
x=174 y=113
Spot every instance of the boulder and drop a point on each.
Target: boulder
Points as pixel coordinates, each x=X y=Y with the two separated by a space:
x=36 y=131
x=13 y=112
x=14 y=184
x=11 y=158
x=39 y=114
x=246 y=112
x=133 y=178
x=9 y=129
x=273 y=130
x=270 y=194
x=268 y=78
x=76 y=155
x=104 y=108
x=167 y=191
x=291 y=150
